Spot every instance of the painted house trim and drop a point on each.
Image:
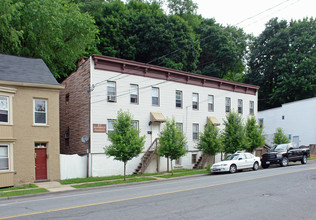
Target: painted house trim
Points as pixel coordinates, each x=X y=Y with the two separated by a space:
x=157 y=72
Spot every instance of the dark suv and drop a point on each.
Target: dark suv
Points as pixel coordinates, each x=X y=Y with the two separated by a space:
x=283 y=153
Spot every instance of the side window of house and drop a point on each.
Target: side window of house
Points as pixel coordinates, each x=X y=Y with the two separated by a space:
x=195 y=133
x=136 y=125
x=134 y=94
x=111 y=87
x=4 y=109
x=67 y=98
x=180 y=126
x=110 y=126
x=67 y=137
x=195 y=101
x=227 y=104
x=251 y=107
x=4 y=157
x=210 y=100
x=40 y=111
x=178 y=99
x=155 y=96
x=240 y=106
x=193 y=158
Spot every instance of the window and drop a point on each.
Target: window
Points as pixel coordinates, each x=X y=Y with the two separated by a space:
x=67 y=137
x=40 y=145
x=210 y=101
x=135 y=123
x=227 y=104
x=155 y=96
x=40 y=111
x=4 y=157
x=180 y=126
x=67 y=98
x=111 y=87
x=240 y=106
x=110 y=126
x=134 y=94
x=178 y=99
x=178 y=162
x=195 y=101
x=4 y=109
x=195 y=133
x=194 y=158
x=251 y=107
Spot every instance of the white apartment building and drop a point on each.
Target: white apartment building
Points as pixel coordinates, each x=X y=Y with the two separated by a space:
x=153 y=94
x=297 y=119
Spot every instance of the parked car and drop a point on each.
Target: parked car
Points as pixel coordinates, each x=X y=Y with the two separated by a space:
x=237 y=161
x=283 y=153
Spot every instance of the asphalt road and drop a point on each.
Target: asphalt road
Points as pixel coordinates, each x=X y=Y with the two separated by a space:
x=274 y=193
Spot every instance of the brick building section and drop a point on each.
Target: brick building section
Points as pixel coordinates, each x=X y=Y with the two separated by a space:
x=75 y=110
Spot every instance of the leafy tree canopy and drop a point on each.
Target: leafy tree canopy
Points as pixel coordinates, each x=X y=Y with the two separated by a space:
x=141 y=31
x=223 y=50
x=233 y=134
x=254 y=136
x=125 y=139
x=283 y=62
x=171 y=142
x=210 y=141
x=55 y=31
x=280 y=137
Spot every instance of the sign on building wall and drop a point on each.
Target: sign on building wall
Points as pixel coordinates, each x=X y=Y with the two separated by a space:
x=99 y=128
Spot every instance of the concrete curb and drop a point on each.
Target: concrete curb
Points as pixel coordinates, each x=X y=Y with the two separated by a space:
x=102 y=187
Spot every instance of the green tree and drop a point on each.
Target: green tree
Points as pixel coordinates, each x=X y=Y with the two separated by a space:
x=283 y=62
x=210 y=141
x=180 y=7
x=280 y=137
x=233 y=134
x=171 y=142
x=254 y=136
x=141 y=31
x=223 y=50
x=55 y=31
x=125 y=139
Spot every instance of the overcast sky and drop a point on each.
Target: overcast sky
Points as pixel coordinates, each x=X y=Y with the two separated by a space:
x=235 y=11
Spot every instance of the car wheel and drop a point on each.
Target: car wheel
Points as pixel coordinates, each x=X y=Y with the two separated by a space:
x=304 y=159
x=264 y=166
x=284 y=162
x=255 y=166
x=233 y=169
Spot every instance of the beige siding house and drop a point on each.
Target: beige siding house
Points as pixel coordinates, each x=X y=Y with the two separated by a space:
x=29 y=122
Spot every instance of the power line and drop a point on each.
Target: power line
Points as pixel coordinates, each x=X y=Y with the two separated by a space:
x=251 y=17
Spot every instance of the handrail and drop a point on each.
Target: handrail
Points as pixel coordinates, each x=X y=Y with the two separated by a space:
x=152 y=148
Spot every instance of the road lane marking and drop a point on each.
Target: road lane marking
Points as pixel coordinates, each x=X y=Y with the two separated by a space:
x=150 y=195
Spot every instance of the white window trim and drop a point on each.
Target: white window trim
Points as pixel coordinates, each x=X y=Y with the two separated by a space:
x=157 y=88
x=10 y=157
x=181 y=99
x=212 y=103
x=197 y=101
x=46 y=112
x=8 y=92
x=137 y=93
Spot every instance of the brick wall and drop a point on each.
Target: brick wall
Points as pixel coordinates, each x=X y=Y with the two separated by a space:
x=75 y=113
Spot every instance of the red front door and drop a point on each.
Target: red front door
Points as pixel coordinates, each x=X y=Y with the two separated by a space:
x=40 y=164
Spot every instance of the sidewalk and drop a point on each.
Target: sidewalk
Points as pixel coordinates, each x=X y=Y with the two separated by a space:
x=54 y=186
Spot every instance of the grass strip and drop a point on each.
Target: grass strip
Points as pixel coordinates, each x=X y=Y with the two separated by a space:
x=184 y=174
x=134 y=180
x=19 y=187
x=92 y=179
x=23 y=192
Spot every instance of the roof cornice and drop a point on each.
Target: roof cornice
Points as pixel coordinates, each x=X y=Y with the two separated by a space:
x=157 y=72
x=34 y=85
